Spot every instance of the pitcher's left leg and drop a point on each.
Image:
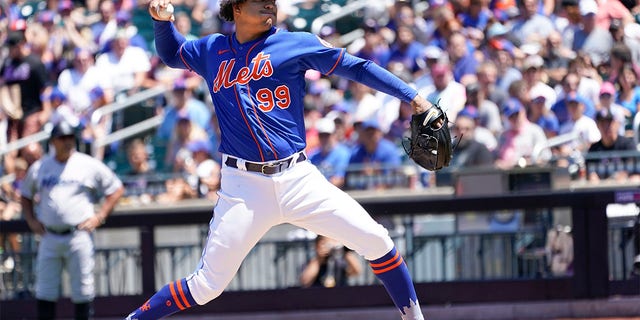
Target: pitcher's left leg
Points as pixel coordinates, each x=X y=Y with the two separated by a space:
x=335 y=214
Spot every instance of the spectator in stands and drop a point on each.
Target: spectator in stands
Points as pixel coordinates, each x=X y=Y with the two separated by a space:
x=607 y=102
x=431 y=55
x=177 y=189
x=61 y=111
x=203 y=171
x=183 y=24
x=403 y=14
x=556 y=58
x=477 y=15
x=468 y=152
x=582 y=127
x=488 y=112
x=96 y=128
x=10 y=209
x=105 y=29
x=570 y=84
x=182 y=102
x=502 y=52
x=611 y=166
x=463 y=61
x=83 y=76
x=592 y=39
x=628 y=93
x=375 y=47
x=141 y=181
x=588 y=81
x=123 y=20
x=124 y=65
x=620 y=56
x=445 y=23
x=331 y=156
x=365 y=102
x=487 y=74
x=23 y=81
x=445 y=90
x=332 y=265
x=538 y=113
x=531 y=26
x=406 y=48
x=534 y=74
x=400 y=126
x=185 y=131
x=374 y=158
x=611 y=9
x=516 y=145
x=48 y=41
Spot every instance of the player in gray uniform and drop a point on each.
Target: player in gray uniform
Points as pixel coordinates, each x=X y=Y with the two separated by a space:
x=59 y=197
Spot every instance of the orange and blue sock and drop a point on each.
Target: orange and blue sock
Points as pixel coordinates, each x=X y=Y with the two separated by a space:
x=172 y=298
x=394 y=274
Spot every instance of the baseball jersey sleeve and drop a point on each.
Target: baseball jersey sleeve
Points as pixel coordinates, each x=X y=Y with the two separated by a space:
x=107 y=181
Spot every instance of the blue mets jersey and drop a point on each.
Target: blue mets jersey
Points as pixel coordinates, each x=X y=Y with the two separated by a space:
x=258 y=87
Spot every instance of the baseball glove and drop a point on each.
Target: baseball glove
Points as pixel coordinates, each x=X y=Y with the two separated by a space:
x=430 y=141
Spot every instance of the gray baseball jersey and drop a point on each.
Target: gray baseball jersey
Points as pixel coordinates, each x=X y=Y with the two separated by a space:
x=66 y=192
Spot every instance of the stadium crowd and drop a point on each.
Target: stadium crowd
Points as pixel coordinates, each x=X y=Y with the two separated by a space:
x=512 y=75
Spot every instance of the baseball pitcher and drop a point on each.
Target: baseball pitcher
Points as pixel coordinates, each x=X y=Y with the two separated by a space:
x=256 y=80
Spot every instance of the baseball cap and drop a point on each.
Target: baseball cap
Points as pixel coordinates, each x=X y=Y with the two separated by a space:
x=63 y=128
x=531 y=48
x=469 y=112
x=96 y=93
x=432 y=52
x=537 y=95
x=607 y=88
x=502 y=45
x=14 y=38
x=179 y=84
x=123 y=16
x=56 y=94
x=371 y=123
x=325 y=125
x=199 y=145
x=497 y=29
x=588 y=7
x=511 y=107
x=534 y=61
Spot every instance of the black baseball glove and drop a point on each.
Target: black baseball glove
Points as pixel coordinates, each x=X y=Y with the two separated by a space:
x=430 y=142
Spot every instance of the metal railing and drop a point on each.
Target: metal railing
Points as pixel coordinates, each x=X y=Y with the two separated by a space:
x=127 y=102
x=130 y=101
x=550 y=143
x=321 y=21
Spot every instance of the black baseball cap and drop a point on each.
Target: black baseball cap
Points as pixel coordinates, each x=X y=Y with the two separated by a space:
x=62 y=129
x=14 y=38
